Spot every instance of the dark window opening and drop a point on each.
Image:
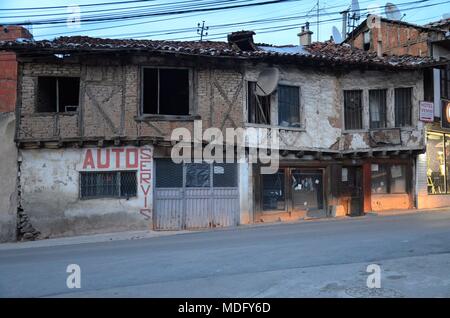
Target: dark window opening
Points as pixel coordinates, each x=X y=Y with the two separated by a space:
x=353 y=109
x=289 y=106
x=445 y=82
x=403 y=107
x=428 y=85
x=168 y=174
x=273 y=191
x=166 y=91
x=366 y=41
x=377 y=107
x=389 y=178
x=258 y=106
x=113 y=184
x=225 y=175
x=58 y=94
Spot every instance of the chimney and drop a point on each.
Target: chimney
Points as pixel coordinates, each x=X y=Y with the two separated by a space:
x=242 y=40
x=305 y=35
x=8 y=65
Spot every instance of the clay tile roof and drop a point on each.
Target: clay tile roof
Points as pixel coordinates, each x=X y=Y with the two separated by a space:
x=438 y=24
x=326 y=52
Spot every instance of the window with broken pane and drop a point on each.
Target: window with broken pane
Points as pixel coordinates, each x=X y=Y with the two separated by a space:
x=353 y=109
x=258 y=107
x=165 y=91
x=377 y=108
x=289 y=106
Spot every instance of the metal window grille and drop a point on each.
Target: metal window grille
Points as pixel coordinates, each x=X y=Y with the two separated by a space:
x=377 y=106
x=353 y=109
x=288 y=106
x=168 y=174
x=120 y=184
x=258 y=106
x=403 y=106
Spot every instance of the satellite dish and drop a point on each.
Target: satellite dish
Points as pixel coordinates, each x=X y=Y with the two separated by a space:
x=337 y=37
x=355 y=9
x=392 y=11
x=267 y=81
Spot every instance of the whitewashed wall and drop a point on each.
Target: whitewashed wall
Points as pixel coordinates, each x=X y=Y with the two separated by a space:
x=50 y=190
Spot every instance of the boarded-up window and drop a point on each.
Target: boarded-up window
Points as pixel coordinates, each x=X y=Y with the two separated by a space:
x=353 y=109
x=258 y=106
x=377 y=107
x=165 y=91
x=119 y=184
x=57 y=94
x=198 y=175
x=288 y=106
x=403 y=107
x=273 y=191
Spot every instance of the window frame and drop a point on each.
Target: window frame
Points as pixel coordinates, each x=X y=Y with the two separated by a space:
x=300 y=114
x=249 y=95
x=407 y=176
x=446 y=137
x=361 y=128
x=117 y=173
x=385 y=90
x=162 y=116
x=411 y=114
x=57 y=78
x=444 y=82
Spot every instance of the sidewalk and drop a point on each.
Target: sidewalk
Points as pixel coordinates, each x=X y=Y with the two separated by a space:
x=92 y=238
x=136 y=235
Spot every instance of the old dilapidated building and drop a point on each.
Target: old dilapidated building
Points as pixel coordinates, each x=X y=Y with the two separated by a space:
x=95 y=118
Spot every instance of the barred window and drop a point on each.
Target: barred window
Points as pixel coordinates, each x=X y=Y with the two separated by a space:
x=445 y=82
x=403 y=107
x=377 y=106
x=108 y=184
x=353 y=109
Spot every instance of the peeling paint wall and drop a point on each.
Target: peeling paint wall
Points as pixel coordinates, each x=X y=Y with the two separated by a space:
x=322 y=107
x=51 y=194
x=8 y=179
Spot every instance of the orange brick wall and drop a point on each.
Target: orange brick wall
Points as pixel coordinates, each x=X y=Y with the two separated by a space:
x=396 y=39
x=8 y=67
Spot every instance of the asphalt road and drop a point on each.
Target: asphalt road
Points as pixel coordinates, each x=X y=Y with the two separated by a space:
x=311 y=259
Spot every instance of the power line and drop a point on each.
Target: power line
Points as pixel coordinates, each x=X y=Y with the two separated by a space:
x=125 y=17
x=254 y=22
